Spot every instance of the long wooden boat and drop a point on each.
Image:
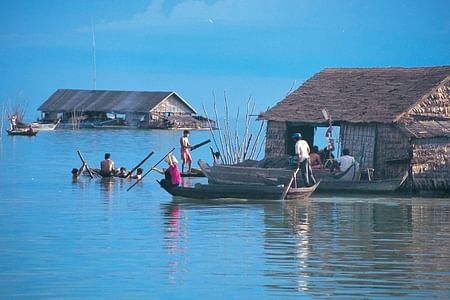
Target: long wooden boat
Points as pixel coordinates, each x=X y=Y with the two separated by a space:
x=44 y=126
x=240 y=191
x=235 y=174
x=24 y=132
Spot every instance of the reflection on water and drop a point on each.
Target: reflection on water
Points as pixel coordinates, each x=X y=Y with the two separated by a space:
x=92 y=239
x=323 y=249
x=175 y=238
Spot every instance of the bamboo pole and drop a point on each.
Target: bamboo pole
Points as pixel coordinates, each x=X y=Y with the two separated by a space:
x=210 y=127
x=224 y=154
x=252 y=154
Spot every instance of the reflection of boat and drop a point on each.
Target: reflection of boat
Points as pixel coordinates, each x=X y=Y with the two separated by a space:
x=235 y=174
x=25 y=132
x=240 y=191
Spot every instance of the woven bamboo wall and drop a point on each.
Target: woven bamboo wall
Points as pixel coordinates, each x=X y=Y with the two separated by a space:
x=391 y=152
x=431 y=164
x=358 y=139
x=275 y=139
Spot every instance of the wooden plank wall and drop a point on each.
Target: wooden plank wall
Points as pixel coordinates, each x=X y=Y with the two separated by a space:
x=431 y=164
x=275 y=139
x=358 y=138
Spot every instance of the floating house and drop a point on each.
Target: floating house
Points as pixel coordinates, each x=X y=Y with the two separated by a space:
x=396 y=119
x=97 y=108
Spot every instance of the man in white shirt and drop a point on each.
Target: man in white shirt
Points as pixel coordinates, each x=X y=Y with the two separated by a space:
x=346 y=160
x=302 y=154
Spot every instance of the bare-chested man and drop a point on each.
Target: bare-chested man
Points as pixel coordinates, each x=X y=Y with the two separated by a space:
x=185 y=154
x=107 y=166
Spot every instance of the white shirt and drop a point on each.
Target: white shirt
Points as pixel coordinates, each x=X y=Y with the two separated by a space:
x=302 y=150
x=345 y=162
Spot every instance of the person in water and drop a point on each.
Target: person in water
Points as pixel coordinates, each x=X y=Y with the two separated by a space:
x=138 y=175
x=77 y=172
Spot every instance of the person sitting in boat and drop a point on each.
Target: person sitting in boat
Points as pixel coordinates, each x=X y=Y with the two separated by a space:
x=314 y=159
x=217 y=159
x=138 y=175
x=77 y=172
x=122 y=172
x=345 y=161
x=107 y=166
x=172 y=176
x=30 y=129
x=185 y=153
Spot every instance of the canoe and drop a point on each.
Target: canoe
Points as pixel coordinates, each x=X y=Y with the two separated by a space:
x=236 y=174
x=239 y=191
x=25 y=132
x=43 y=126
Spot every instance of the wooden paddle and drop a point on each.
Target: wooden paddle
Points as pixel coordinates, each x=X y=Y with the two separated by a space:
x=151 y=169
x=140 y=164
x=199 y=145
x=85 y=163
x=286 y=190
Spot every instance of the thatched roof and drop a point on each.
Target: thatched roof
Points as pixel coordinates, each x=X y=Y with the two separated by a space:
x=358 y=95
x=68 y=100
x=427 y=129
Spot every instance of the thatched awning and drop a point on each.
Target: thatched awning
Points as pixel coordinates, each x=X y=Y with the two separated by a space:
x=427 y=129
x=357 y=95
x=68 y=100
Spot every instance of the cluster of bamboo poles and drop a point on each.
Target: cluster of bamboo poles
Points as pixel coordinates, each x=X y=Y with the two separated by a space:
x=233 y=147
x=17 y=108
x=76 y=119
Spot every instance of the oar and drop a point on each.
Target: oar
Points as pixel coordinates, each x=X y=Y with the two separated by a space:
x=140 y=164
x=85 y=163
x=199 y=145
x=150 y=170
x=286 y=190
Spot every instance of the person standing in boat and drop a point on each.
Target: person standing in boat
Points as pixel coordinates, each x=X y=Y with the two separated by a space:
x=302 y=154
x=107 y=166
x=185 y=153
x=13 y=121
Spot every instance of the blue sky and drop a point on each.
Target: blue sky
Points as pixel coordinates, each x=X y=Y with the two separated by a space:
x=246 y=48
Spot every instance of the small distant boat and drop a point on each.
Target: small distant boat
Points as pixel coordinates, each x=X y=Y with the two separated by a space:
x=240 y=191
x=25 y=132
x=44 y=126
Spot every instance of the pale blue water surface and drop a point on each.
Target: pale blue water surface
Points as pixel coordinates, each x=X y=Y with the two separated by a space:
x=91 y=239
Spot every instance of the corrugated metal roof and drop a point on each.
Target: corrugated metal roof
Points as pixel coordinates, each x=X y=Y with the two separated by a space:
x=69 y=100
x=358 y=95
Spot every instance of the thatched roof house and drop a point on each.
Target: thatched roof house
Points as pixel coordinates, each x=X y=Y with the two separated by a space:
x=138 y=108
x=399 y=118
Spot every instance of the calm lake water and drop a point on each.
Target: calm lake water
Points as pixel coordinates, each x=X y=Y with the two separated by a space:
x=91 y=239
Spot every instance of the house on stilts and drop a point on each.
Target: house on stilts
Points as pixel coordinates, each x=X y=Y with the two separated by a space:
x=397 y=118
x=121 y=109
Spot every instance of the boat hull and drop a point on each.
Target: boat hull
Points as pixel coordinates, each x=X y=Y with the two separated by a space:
x=255 y=192
x=21 y=132
x=232 y=174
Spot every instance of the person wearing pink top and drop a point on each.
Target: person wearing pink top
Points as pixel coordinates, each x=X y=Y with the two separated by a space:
x=172 y=175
